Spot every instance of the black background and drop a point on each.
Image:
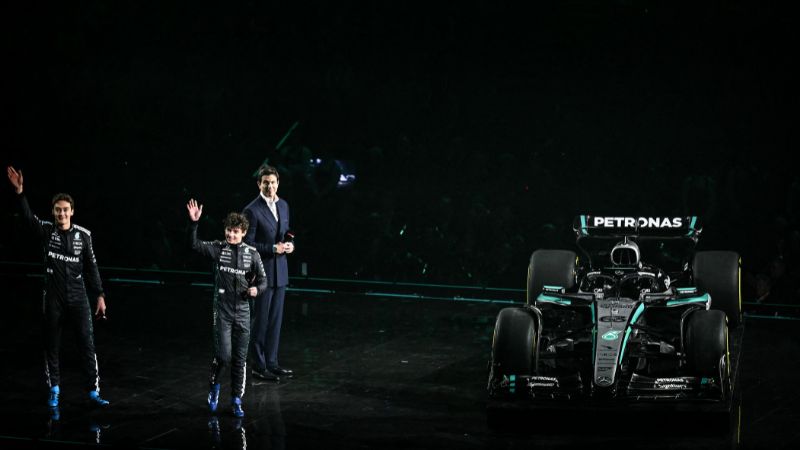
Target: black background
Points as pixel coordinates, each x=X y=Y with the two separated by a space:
x=478 y=130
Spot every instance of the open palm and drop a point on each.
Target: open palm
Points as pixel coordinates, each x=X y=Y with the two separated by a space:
x=15 y=177
x=195 y=211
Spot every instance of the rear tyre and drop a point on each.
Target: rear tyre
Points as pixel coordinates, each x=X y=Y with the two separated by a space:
x=551 y=268
x=719 y=274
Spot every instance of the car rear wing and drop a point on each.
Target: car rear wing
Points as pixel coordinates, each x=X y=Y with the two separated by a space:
x=618 y=226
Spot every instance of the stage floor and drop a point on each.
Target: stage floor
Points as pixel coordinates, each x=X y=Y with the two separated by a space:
x=371 y=372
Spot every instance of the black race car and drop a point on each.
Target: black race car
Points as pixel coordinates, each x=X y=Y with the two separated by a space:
x=639 y=317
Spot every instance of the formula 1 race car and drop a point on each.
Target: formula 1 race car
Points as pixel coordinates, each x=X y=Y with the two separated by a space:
x=640 y=318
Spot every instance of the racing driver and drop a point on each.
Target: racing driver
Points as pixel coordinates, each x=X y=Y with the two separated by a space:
x=238 y=277
x=71 y=274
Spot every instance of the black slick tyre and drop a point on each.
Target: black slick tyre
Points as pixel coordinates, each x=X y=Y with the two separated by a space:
x=719 y=274
x=513 y=343
x=550 y=268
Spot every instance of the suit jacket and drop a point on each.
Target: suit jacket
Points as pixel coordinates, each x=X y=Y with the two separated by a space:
x=264 y=232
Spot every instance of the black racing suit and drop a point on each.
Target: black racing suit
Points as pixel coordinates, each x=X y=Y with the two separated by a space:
x=70 y=271
x=233 y=264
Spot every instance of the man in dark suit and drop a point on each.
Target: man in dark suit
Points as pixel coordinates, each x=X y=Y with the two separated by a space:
x=269 y=222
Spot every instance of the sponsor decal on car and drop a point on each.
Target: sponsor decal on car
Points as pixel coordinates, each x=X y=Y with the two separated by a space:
x=539 y=381
x=604 y=381
x=640 y=222
x=612 y=335
x=613 y=319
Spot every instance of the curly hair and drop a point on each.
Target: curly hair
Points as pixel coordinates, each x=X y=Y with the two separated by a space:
x=236 y=220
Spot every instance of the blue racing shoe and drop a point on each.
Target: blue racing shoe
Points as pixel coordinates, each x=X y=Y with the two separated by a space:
x=94 y=399
x=53 y=401
x=213 y=397
x=237 y=407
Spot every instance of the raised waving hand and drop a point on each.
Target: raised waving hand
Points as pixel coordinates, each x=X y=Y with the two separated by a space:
x=194 y=211
x=15 y=178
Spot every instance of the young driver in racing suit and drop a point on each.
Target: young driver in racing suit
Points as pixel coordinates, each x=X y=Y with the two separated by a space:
x=70 y=274
x=238 y=276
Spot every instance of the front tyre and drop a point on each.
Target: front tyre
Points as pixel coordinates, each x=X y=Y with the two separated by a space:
x=513 y=346
x=514 y=343
x=707 y=347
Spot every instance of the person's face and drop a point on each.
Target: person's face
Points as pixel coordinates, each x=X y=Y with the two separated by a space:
x=234 y=236
x=62 y=213
x=268 y=185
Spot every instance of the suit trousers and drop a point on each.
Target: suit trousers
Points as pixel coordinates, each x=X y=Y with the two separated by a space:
x=266 y=329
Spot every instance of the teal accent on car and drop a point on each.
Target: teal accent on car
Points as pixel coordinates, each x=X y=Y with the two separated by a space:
x=705 y=298
x=624 y=343
x=692 y=230
x=637 y=313
x=583 y=226
x=634 y=318
x=552 y=299
x=512 y=386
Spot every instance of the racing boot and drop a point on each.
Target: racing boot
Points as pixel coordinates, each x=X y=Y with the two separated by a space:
x=237 y=407
x=213 y=397
x=96 y=400
x=53 y=400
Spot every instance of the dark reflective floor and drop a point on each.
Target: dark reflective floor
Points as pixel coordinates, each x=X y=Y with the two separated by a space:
x=371 y=373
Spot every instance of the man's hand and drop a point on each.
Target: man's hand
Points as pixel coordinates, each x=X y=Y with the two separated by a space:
x=194 y=211
x=100 y=313
x=15 y=178
x=252 y=291
x=288 y=247
x=280 y=248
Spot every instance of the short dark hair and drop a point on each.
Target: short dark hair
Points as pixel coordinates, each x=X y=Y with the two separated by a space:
x=236 y=220
x=65 y=197
x=267 y=170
